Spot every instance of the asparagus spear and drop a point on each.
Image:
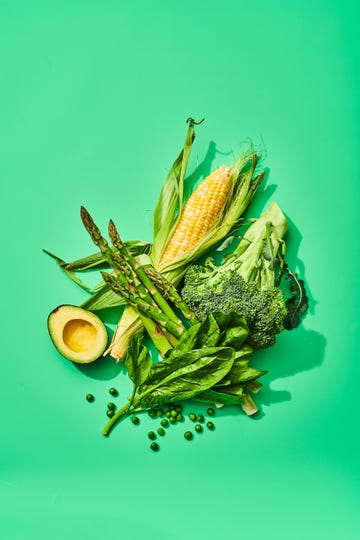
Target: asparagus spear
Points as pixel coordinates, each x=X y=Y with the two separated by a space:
x=141 y=274
x=142 y=306
x=170 y=292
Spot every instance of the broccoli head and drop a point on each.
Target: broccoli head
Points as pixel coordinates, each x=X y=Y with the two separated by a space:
x=214 y=289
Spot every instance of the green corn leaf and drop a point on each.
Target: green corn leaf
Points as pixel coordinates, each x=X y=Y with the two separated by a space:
x=103 y=299
x=71 y=274
x=170 y=202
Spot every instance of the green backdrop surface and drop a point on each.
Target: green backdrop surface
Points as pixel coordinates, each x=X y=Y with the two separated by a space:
x=93 y=102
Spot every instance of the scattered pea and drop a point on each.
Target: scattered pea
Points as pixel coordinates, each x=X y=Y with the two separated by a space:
x=161 y=431
x=174 y=413
x=210 y=426
x=171 y=406
x=192 y=417
x=198 y=428
x=90 y=397
x=154 y=446
x=113 y=391
x=135 y=420
x=200 y=418
x=211 y=411
x=188 y=435
x=172 y=420
x=164 y=422
x=168 y=414
x=152 y=413
x=152 y=435
x=159 y=413
x=179 y=418
x=111 y=406
x=179 y=408
x=110 y=413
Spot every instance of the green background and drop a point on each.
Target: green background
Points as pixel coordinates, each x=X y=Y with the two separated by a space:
x=93 y=101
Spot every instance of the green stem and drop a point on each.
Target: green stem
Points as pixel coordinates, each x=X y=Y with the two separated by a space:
x=124 y=411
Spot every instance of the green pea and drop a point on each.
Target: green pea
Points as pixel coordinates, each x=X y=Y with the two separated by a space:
x=164 y=422
x=113 y=391
x=152 y=435
x=168 y=414
x=211 y=411
x=111 y=406
x=159 y=413
x=161 y=431
x=110 y=413
x=171 y=406
x=188 y=435
x=210 y=426
x=154 y=446
x=90 y=397
x=200 y=418
x=179 y=418
x=178 y=408
x=135 y=420
x=172 y=420
x=174 y=413
x=198 y=428
x=192 y=417
x=152 y=413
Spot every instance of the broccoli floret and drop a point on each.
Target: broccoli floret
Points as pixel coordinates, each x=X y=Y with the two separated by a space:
x=245 y=281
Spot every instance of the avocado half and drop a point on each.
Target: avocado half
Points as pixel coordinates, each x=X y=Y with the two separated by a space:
x=79 y=335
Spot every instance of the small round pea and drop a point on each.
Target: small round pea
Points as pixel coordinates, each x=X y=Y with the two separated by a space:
x=174 y=413
x=90 y=398
x=113 y=391
x=172 y=420
x=199 y=428
x=152 y=435
x=171 y=406
x=168 y=414
x=152 y=413
x=164 y=422
x=210 y=411
x=159 y=413
x=188 y=435
x=179 y=418
x=135 y=420
x=154 y=446
x=161 y=431
x=192 y=417
x=200 y=418
x=210 y=426
x=111 y=406
x=110 y=413
x=178 y=408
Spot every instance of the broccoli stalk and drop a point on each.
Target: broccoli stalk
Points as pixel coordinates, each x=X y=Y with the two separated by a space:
x=247 y=280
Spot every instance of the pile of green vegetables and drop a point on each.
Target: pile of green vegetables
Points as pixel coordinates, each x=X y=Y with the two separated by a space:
x=206 y=325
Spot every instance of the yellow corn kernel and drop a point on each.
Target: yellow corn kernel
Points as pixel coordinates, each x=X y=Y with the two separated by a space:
x=199 y=215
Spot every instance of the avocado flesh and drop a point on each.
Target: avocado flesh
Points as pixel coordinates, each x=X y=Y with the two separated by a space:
x=78 y=335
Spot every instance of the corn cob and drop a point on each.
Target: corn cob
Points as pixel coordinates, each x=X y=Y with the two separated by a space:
x=198 y=216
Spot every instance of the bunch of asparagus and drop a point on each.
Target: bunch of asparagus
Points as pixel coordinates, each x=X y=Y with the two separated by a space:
x=142 y=287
